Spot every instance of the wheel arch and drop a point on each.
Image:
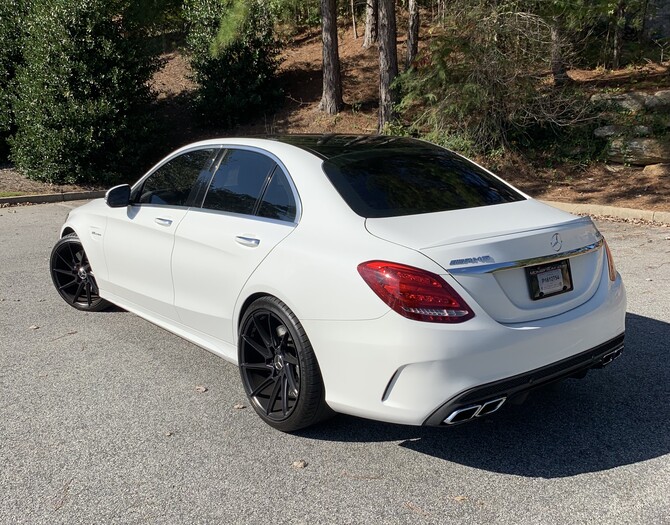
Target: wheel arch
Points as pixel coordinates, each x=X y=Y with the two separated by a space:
x=67 y=231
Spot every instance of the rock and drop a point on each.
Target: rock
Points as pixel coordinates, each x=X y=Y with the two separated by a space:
x=640 y=152
x=657 y=170
x=606 y=132
x=633 y=102
x=659 y=100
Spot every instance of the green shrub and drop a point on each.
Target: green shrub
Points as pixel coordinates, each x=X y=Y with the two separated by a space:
x=12 y=12
x=82 y=92
x=236 y=78
x=485 y=83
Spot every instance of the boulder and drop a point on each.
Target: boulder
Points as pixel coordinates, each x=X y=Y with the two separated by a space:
x=657 y=170
x=633 y=102
x=640 y=151
x=658 y=101
x=606 y=132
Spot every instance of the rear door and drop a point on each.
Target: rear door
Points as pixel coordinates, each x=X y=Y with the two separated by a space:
x=249 y=207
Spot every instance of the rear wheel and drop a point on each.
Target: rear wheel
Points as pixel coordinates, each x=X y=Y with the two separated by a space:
x=72 y=275
x=279 y=370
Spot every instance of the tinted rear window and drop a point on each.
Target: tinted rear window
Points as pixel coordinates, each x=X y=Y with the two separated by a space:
x=389 y=183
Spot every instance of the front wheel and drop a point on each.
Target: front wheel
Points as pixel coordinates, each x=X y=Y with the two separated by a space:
x=72 y=275
x=279 y=370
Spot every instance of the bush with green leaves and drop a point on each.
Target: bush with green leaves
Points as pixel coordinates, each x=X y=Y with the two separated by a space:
x=233 y=53
x=485 y=83
x=82 y=92
x=12 y=12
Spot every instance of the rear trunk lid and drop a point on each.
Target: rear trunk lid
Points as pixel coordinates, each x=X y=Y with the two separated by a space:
x=519 y=261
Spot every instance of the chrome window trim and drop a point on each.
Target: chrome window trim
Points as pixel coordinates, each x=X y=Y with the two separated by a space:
x=496 y=267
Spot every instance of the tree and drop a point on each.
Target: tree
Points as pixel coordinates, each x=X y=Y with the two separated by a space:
x=371 y=10
x=82 y=92
x=388 y=61
x=331 y=100
x=412 y=33
x=12 y=13
x=233 y=53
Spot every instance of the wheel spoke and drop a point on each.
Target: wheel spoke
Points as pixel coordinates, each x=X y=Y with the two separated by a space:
x=267 y=354
x=273 y=397
x=262 y=332
x=65 y=272
x=262 y=386
x=291 y=360
x=65 y=261
x=72 y=254
x=88 y=293
x=78 y=292
x=292 y=383
x=284 y=393
x=67 y=284
x=256 y=366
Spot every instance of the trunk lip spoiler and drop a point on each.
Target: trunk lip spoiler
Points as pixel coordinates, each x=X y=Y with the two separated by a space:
x=496 y=267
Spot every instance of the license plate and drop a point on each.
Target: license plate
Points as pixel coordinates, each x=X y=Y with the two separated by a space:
x=547 y=280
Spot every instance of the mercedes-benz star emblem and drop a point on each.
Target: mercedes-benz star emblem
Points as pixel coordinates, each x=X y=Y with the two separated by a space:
x=556 y=242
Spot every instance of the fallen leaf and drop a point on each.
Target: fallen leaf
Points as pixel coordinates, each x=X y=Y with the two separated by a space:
x=239 y=406
x=460 y=499
x=301 y=463
x=415 y=508
x=200 y=389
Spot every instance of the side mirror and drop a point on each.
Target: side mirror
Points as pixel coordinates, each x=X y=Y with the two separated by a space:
x=118 y=196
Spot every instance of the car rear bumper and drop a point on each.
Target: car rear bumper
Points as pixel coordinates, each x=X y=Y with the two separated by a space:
x=410 y=372
x=486 y=399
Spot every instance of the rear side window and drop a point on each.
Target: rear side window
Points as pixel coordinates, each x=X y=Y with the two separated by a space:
x=278 y=200
x=391 y=183
x=173 y=183
x=239 y=182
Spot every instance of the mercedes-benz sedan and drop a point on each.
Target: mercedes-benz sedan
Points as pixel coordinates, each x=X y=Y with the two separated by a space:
x=382 y=277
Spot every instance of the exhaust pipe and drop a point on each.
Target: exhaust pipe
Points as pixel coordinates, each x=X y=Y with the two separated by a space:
x=608 y=358
x=466 y=414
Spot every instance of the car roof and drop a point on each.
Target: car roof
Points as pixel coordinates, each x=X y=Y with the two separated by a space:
x=328 y=146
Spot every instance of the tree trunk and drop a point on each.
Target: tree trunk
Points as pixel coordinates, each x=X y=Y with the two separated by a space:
x=617 y=40
x=558 y=68
x=331 y=100
x=412 y=33
x=388 y=60
x=371 y=11
x=353 y=18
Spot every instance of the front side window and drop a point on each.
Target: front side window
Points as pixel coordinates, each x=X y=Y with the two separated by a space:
x=239 y=181
x=174 y=183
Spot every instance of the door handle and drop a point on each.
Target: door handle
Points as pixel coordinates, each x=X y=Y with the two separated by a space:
x=252 y=242
x=163 y=222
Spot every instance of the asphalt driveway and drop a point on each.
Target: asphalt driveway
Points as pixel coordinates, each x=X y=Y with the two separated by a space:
x=105 y=418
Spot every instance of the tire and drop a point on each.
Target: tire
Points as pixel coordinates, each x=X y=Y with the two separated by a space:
x=279 y=370
x=73 y=277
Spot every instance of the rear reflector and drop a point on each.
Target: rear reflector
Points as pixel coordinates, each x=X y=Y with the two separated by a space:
x=610 y=262
x=415 y=293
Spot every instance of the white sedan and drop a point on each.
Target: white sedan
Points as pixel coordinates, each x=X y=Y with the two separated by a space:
x=377 y=276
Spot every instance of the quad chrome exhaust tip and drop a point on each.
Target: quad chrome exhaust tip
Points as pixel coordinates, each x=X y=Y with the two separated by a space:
x=467 y=413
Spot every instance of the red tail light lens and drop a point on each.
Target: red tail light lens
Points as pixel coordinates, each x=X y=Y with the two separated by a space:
x=415 y=293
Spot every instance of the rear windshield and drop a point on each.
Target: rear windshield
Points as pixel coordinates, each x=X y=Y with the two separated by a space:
x=410 y=181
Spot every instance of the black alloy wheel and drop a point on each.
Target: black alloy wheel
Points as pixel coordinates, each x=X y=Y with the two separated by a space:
x=279 y=370
x=72 y=275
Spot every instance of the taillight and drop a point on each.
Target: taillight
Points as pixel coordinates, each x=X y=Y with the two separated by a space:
x=610 y=262
x=415 y=293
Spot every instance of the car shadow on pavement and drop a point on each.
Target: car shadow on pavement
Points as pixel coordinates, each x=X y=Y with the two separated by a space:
x=613 y=417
